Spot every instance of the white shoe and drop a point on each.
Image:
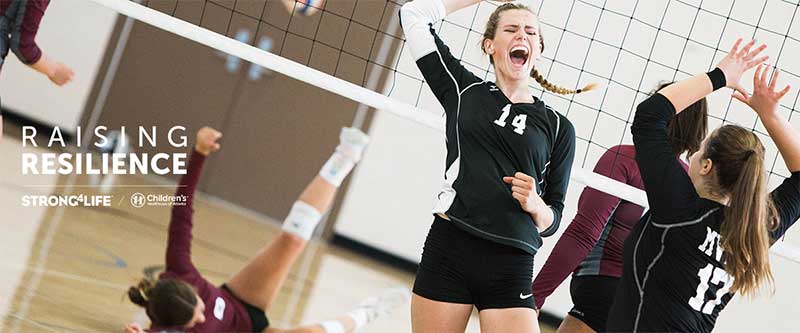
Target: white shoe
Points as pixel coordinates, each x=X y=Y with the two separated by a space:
x=352 y=143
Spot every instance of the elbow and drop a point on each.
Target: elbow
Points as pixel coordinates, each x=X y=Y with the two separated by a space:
x=28 y=53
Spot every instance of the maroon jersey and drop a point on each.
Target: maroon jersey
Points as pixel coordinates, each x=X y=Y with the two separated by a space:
x=19 y=22
x=224 y=313
x=592 y=244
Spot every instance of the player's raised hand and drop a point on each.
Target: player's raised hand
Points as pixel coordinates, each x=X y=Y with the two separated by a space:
x=765 y=98
x=207 y=140
x=739 y=61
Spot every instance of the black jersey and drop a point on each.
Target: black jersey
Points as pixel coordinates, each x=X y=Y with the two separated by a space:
x=673 y=277
x=488 y=138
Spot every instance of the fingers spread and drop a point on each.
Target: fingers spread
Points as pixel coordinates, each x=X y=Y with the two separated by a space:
x=774 y=80
x=749 y=56
x=746 y=49
x=735 y=47
x=784 y=91
x=754 y=63
x=757 y=75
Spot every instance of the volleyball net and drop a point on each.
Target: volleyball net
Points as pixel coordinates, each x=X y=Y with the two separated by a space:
x=626 y=46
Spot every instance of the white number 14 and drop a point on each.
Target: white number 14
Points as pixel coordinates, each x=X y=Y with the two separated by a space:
x=518 y=122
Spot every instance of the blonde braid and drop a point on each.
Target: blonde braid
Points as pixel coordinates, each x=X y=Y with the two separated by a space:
x=558 y=89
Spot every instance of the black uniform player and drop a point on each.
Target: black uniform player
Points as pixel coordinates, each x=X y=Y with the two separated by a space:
x=707 y=234
x=508 y=164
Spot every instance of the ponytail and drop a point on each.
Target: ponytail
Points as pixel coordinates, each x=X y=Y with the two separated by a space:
x=139 y=294
x=745 y=234
x=558 y=89
x=738 y=157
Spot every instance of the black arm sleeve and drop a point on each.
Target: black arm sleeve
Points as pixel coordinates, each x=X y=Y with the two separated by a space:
x=670 y=192
x=560 y=169
x=445 y=75
x=787 y=202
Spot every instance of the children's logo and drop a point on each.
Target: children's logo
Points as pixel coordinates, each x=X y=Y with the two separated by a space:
x=137 y=200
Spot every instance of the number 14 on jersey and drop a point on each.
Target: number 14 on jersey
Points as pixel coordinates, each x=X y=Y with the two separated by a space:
x=518 y=122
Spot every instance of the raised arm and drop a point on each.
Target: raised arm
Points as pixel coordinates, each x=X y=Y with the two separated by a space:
x=179 y=242
x=670 y=192
x=594 y=210
x=727 y=74
x=764 y=102
x=442 y=71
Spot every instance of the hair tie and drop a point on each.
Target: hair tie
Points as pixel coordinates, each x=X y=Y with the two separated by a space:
x=143 y=294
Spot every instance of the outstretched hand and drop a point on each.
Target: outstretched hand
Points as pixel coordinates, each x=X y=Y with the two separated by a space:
x=207 y=140
x=765 y=98
x=739 y=61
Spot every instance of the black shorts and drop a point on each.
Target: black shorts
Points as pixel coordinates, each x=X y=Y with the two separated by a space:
x=592 y=297
x=458 y=267
x=257 y=316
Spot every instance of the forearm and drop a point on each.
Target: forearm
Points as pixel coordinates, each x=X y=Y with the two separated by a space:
x=179 y=241
x=543 y=218
x=45 y=65
x=686 y=92
x=785 y=137
x=573 y=246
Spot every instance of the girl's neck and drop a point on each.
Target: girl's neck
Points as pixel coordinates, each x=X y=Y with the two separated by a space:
x=517 y=91
x=704 y=193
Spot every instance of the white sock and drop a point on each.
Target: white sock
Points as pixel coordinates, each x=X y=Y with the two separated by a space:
x=337 y=168
x=302 y=220
x=359 y=316
x=332 y=326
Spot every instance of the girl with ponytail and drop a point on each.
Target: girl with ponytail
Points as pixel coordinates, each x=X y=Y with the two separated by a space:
x=508 y=164
x=707 y=234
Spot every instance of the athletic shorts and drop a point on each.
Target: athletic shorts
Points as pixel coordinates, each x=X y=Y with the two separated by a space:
x=458 y=267
x=592 y=297
x=257 y=316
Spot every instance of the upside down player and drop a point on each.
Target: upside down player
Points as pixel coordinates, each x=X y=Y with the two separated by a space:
x=182 y=300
